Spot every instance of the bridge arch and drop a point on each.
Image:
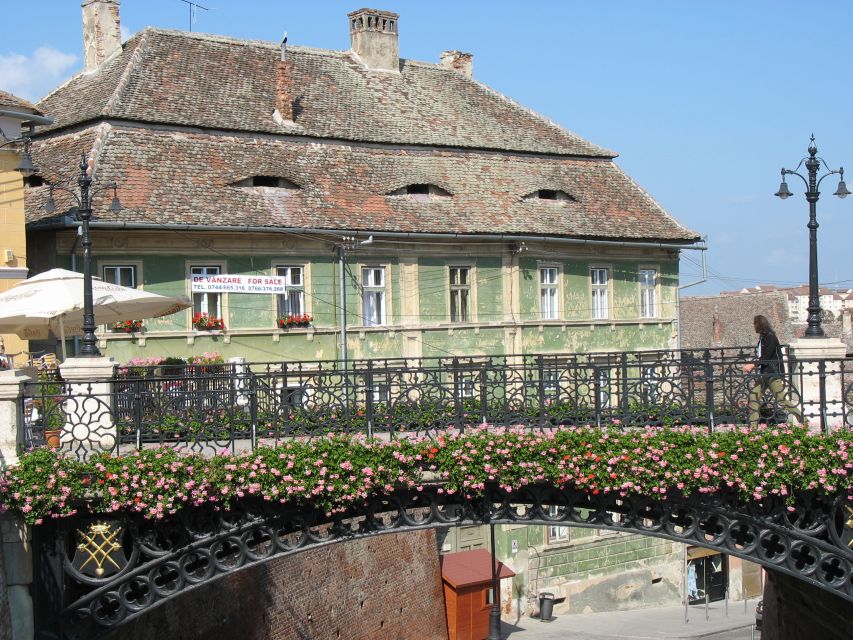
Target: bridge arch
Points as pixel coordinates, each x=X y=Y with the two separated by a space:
x=146 y=563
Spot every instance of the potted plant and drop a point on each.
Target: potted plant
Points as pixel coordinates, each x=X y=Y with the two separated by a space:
x=207 y=322
x=297 y=320
x=173 y=366
x=48 y=405
x=126 y=326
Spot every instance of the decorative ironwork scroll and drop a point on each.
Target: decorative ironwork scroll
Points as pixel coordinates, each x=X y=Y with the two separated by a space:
x=145 y=563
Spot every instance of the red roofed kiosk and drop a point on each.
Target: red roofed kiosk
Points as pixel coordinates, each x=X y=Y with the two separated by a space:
x=467 y=578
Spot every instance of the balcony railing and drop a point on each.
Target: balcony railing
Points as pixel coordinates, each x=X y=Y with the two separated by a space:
x=241 y=406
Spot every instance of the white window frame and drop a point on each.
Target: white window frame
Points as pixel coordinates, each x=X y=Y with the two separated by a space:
x=648 y=292
x=465 y=291
x=370 y=289
x=134 y=269
x=600 y=292
x=557 y=533
x=551 y=310
x=205 y=297
x=283 y=308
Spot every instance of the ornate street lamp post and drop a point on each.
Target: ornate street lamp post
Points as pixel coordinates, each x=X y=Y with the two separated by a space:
x=89 y=348
x=495 y=613
x=812 y=163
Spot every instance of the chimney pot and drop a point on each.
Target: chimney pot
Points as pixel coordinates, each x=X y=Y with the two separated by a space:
x=373 y=37
x=101 y=31
x=458 y=61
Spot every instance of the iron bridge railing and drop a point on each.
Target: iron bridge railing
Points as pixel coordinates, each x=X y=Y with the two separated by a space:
x=240 y=406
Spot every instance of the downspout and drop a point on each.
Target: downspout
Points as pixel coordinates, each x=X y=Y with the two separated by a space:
x=704 y=278
x=73 y=253
x=342 y=306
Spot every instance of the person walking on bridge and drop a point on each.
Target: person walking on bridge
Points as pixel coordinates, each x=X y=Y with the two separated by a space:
x=770 y=374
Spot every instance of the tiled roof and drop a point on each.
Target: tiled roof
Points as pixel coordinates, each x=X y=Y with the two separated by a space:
x=726 y=320
x=181 y=177
x=14 y=103
x=181 y=78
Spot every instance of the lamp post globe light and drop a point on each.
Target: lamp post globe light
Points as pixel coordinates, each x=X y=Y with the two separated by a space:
x=812 y=182
x=25 y=167
x=83 y=197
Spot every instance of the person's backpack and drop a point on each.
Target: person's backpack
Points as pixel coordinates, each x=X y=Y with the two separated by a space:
x=778 y=361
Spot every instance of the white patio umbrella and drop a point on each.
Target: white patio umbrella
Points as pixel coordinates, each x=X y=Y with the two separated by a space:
x=53 y=300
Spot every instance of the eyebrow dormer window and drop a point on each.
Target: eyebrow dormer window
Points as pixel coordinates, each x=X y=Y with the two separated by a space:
x=421 y=191
x=267 y=181
x=549 y=194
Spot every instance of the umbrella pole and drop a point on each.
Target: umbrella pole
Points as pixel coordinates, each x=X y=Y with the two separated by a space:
x=62 y=337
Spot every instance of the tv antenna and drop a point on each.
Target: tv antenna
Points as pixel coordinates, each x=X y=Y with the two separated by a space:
x=193 y=7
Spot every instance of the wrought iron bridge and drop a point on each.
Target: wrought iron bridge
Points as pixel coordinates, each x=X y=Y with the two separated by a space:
x=239 y=405
x=95 y=573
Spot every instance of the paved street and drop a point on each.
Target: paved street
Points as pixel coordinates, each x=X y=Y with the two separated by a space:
x=643 y=624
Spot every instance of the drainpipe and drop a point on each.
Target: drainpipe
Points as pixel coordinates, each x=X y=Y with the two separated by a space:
x=73 y=253
x=704 y=249
x=342 y=305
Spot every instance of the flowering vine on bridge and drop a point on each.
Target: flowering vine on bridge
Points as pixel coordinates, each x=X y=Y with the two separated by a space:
x=337 y=471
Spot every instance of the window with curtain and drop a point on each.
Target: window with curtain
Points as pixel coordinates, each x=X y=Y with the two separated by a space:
x=600 y=282
x=548 y=293
x=205 y=301
x=292 y=301
x=373 y=296
x=648 y=293
x=460 y=293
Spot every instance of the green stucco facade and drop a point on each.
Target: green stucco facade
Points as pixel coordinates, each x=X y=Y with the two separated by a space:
x=503 y=304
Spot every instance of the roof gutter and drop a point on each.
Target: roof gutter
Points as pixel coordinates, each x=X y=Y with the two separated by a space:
x=68 y=222
x=26 y=117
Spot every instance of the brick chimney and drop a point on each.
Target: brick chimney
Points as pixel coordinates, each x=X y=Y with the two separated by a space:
x=458 y=61
x=284 y=86
x=373 y=36
x=101 y=31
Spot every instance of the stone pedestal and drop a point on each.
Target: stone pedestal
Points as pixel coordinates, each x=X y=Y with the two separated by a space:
x=812 y=355
x=11 y=416
x=89 y=422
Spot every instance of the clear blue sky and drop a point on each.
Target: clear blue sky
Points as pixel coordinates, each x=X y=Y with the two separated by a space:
x=704 y=101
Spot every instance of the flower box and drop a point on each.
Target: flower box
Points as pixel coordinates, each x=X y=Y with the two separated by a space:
x=205 y=322
x=295 y=321
x=126 y=326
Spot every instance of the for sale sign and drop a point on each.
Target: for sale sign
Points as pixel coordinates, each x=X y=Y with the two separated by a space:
x=238 y=284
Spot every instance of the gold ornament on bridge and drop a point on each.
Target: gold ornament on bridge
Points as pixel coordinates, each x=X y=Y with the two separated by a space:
x=99 y=550
x=849 y=524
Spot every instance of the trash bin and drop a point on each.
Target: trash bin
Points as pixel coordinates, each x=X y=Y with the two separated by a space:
x=546 y=606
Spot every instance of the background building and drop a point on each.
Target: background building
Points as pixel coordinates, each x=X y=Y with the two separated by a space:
x=16 y=116
x=402 y=201
x=438 y=215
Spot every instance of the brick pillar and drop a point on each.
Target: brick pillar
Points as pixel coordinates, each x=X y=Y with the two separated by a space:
x=89 y=425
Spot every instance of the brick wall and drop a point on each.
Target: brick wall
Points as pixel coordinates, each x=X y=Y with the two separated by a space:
x=794 y=610
x=384 y=587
